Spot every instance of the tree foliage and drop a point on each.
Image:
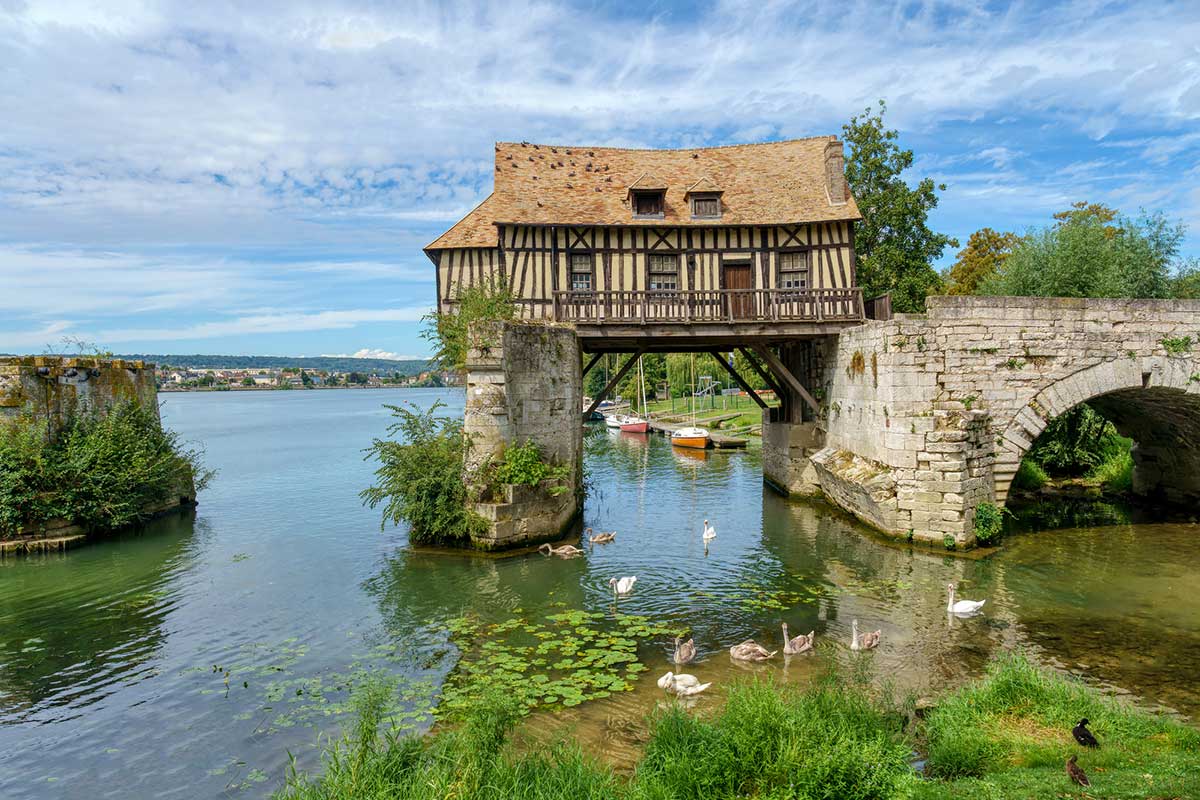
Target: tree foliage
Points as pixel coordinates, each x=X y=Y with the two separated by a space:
x=102 y=471
x=421 y=477
x=986 y=250
x=489 y=300
x=1092 y=251
x=894 y=244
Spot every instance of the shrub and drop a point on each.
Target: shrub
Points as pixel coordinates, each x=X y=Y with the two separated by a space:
x=1075 y=442
x=989 y=523
x=421 y=477
x=102 y=471
x=447 y=331
x=1115 y=473
x=1030 y=475
x=523 y=465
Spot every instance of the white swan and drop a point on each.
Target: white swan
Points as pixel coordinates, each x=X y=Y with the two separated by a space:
x=710 y=532
x=866 y=641
x=797 y=644
x=685 y=651
x=962 y=606
x=682 y=685
x=622 y=585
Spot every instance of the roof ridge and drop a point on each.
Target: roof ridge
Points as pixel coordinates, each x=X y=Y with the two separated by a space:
x=827 y=137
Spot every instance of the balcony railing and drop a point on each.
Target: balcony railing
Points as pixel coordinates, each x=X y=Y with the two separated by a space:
x=709 y=305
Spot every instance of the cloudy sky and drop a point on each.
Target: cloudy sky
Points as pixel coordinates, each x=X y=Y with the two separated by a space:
x=260 y=177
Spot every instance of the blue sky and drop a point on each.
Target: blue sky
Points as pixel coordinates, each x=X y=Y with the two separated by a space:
x=259 y=178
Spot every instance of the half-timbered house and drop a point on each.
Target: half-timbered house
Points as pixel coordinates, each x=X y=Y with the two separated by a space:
x=665 y=249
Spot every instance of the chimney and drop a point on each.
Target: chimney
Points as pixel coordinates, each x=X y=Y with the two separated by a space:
x=835 y=173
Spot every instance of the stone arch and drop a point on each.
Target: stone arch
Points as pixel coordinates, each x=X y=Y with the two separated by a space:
x=1153 y=400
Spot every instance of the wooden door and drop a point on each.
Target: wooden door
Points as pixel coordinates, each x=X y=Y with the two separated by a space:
x=737 y=275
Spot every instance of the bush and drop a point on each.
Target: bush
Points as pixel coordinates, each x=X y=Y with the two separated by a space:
x=1030 y=475
x=523 y=466
x=447 y=331
x=989 y=523
x=1076 y=442
x=1115 y=473
x=422 y=477
x=102 y=471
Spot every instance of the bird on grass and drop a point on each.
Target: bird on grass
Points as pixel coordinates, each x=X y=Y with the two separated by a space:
x=797 y=644
x=750 y=650
x=1083 y=735
x=565 y=551
x=622 y=586
x=1075 y=773
x=684 y=652
x=601 y=538
x=682 y=685
x=864 y=641
x=962 y=607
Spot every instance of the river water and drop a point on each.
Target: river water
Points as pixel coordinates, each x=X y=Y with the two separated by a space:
x=189 y=659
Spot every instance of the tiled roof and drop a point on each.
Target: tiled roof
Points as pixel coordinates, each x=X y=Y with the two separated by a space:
x=771 y=183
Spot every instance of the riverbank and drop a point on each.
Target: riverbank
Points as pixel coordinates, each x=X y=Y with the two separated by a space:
x=1006 y=735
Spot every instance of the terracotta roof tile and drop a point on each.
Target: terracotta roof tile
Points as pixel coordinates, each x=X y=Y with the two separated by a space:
x=762 y=184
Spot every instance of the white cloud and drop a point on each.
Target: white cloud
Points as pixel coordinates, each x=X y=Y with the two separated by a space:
x=369 y=352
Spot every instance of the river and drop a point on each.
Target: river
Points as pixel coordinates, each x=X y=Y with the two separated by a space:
x=189 y=659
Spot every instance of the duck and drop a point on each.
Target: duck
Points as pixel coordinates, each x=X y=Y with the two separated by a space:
x=750 y=650
x=600 y=538
x=1075 y=773
x=797 y=644
x=710 y=532
x=565 y=551
x=685 y=652
x=1083 y=735
x=682 y=685
x=622 y=585
x=962 y=606
x=866 y=641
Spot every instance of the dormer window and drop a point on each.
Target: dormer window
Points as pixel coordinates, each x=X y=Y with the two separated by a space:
x=706 y=206
x=648 y=203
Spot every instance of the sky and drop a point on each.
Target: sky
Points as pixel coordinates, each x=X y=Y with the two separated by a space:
x=260 y=177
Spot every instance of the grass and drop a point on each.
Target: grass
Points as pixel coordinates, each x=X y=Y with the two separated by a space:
x=1004 y=736
x=1115 y=473
x=1009 y=735
x=1030 y=475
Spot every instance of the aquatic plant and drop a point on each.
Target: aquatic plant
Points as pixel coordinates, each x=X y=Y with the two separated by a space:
x=101 y=471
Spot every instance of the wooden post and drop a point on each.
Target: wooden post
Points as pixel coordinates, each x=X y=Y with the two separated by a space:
x=612 y=384
x=762 y=373
x=595 y=357
x=784 y=374
x=738 y=378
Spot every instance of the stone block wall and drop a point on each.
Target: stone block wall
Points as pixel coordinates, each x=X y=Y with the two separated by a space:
x=53 y=387
x=524 y=384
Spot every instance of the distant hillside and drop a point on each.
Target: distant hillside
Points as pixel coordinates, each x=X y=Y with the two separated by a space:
x=328 y=363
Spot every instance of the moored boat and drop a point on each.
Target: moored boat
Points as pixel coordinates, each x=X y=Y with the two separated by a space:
x=615 y=420
x=635 y=425
x=690 y=437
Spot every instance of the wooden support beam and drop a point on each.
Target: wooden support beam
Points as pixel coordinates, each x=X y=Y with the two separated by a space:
x=612 y=384
x=738 y=378
x=762 y=373
x=588 y=368
x=784 y=374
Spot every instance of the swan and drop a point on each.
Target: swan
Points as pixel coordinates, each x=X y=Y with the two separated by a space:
x=962 y=606
x=565 y=551
x=622 y=585
x=682 y=685
x=798 y=644
x=864 y=642
x=750 y=650
x=710 y=532
x=600 y=538
x=684 y=652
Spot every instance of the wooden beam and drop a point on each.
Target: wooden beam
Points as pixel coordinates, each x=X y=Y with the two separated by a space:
x=784 y=374
x=612 y=384
x=588 y=368
x=762 y=373
x=738 y=378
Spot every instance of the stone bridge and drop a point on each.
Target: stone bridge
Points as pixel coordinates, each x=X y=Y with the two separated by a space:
x=923 y=417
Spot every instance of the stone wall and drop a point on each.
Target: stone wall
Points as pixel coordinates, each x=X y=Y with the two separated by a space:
x=525 y=384
x=53 y=387
x=926 y=416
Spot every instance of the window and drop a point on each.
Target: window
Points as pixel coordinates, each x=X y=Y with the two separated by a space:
x=706 y=205
x=793 y=270
x=581 y=272
x=664 y=272
x=648 y=204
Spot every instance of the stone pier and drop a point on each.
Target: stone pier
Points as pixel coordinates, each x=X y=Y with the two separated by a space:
x=524 y=384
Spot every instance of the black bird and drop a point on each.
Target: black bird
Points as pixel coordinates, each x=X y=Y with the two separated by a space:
x=1083 y=735
x=1075 y=773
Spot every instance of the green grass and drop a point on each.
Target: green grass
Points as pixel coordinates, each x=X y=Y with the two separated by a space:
x=1010 y=734
x=1115 y=473
x=1030 y=475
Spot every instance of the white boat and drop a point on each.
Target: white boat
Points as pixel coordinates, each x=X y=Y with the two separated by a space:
x=615 y=420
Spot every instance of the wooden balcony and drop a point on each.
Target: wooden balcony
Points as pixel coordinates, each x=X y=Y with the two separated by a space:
x=697 y=319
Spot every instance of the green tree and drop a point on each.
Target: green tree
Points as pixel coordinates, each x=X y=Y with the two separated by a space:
x=986 y=250
x=247 y=381
x=895 y=246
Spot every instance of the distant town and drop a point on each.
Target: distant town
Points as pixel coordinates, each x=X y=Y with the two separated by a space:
x=172 y=379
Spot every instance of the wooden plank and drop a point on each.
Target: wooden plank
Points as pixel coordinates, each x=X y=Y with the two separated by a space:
x=741 y=382
x=767 y=377
x=588 y=368
x=612 y=384
x=782 y=372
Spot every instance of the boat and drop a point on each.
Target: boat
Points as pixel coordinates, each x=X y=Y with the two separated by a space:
x=595 y=416
x=614 y=420
x=690 y=436
x=635 y=425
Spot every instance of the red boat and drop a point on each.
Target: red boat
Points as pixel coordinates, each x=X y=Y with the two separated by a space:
x=635 y=425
